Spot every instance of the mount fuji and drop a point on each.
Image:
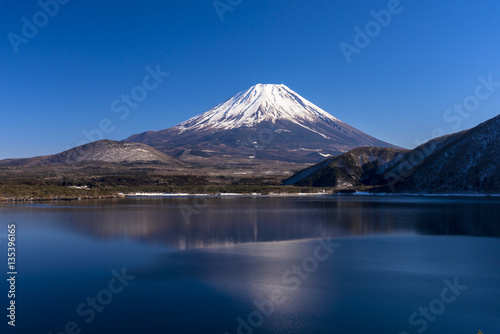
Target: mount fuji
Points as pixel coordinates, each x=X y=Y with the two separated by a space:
x=267 y=121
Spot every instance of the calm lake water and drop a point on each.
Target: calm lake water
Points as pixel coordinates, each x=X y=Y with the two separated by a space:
x=350 y=264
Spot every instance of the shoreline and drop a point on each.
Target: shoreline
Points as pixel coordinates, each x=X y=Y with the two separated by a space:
x=136 y=195
x=227 y=195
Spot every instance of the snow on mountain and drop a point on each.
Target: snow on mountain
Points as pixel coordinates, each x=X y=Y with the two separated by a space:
x=265 y=122
x=260 y=103
x=465 y=162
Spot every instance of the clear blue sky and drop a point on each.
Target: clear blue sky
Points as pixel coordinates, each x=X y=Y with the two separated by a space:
x=64 y=79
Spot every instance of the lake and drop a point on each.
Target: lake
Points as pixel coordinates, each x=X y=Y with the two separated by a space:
x=329 y=264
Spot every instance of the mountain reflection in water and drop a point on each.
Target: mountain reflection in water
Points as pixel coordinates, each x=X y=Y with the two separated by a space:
x=226 y=221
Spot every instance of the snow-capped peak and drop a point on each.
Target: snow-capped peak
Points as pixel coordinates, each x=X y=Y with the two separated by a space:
x=260 y=103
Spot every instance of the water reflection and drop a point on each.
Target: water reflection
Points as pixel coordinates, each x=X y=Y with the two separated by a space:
x=368 y=285
x=225 y=221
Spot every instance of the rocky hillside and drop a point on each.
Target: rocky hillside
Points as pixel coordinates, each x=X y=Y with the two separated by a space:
x=347 y=170
x=103 y=151
x=465 y=162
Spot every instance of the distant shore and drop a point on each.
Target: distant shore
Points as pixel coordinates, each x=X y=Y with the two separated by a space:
x=135 y=195
x=295 y=194
x=300 y=194
x=42 y=193
x=12 y=199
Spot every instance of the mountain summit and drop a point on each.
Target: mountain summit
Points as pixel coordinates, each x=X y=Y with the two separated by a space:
x=260 y=103
x=267 y=121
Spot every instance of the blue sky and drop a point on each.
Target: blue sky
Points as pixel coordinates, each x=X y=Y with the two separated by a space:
x=63 y=80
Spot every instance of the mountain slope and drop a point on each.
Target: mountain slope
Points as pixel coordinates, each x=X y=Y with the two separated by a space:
x=468 y=162
x=103 y=151
x=347 y=170
x=261 y=103
x=399 y=169
x=265 y=122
